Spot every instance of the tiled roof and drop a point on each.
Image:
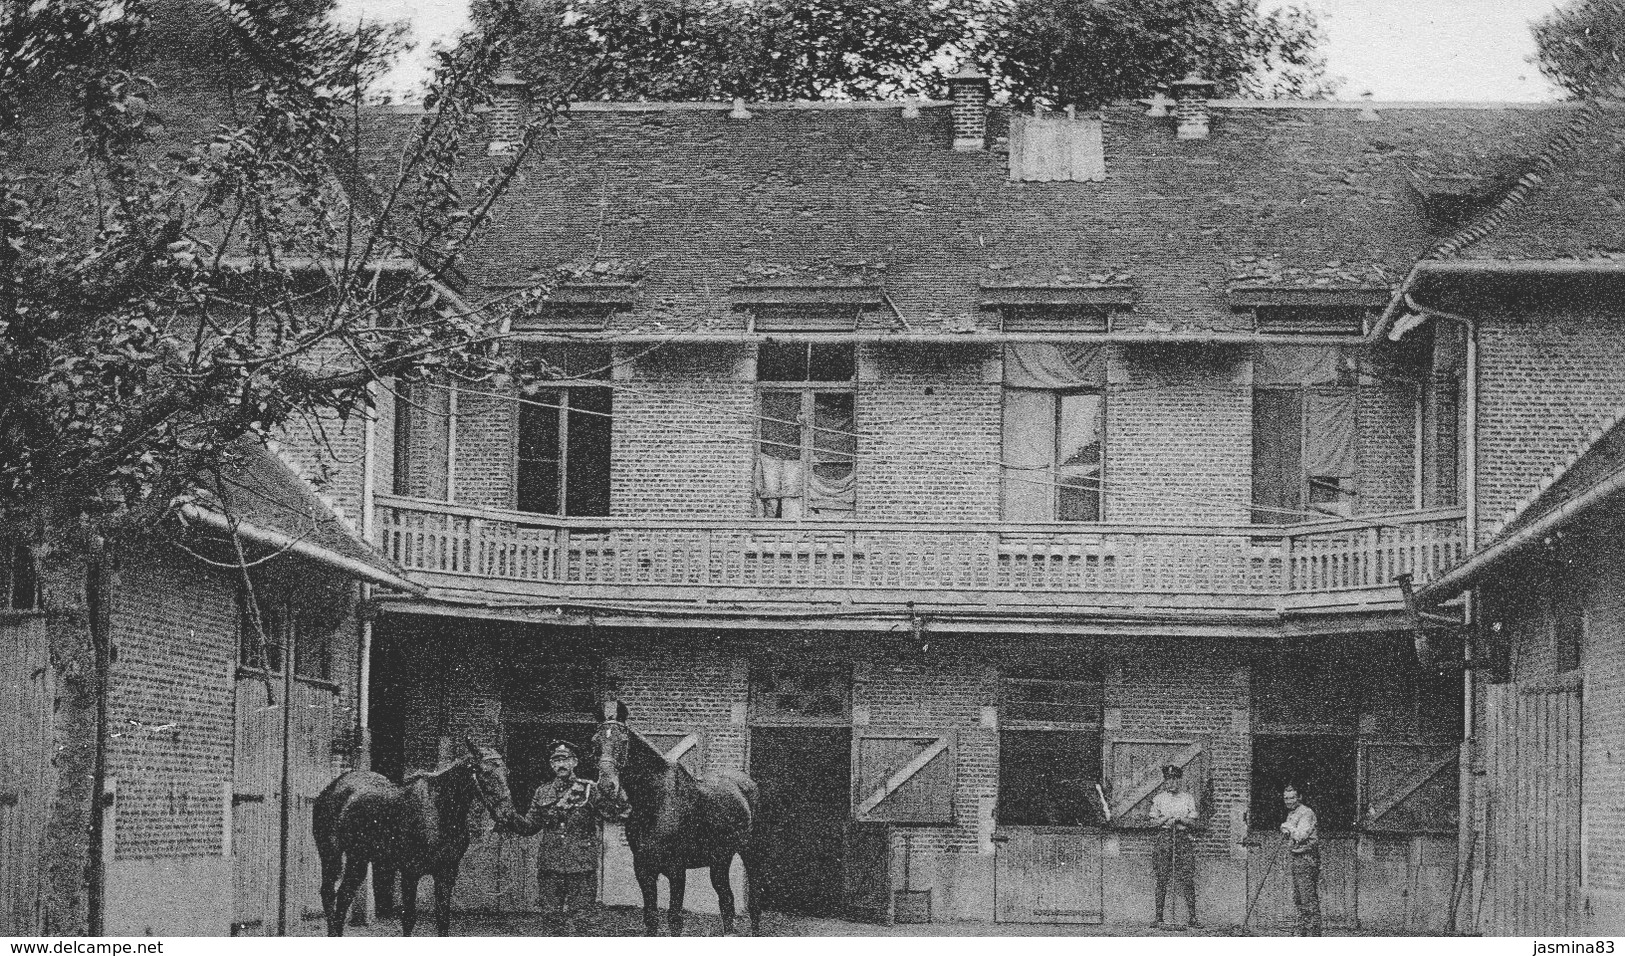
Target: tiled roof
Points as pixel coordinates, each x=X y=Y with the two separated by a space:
x=692 y=202
x=258 y=488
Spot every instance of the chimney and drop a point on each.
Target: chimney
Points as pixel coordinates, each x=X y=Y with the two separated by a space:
x=968 y=88
x=505 y=123
x=1190 y=105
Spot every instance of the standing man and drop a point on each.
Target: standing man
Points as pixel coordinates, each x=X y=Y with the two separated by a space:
x=1303 y=840
x=1174 y=813
x=565 y=810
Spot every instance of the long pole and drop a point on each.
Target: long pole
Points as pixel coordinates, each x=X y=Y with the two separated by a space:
x=288 y=655
x=1269 y=868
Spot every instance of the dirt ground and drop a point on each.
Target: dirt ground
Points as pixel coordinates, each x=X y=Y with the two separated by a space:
x=627 y=921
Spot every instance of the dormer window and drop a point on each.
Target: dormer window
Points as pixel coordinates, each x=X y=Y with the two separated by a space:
x=1069 y=307
x=1341 y=311
x=1310 y=320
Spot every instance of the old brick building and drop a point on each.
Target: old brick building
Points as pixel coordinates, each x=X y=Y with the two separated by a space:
x=215 y=746
x=935 y=466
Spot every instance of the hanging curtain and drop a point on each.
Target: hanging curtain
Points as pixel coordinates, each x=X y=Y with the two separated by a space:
x=1329 y=447
x=832 y=481
x=1045 y=365
x=1299 y=365
x=1277 y=456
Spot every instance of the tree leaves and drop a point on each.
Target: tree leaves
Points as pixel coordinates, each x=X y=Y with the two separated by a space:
x=1582 y=46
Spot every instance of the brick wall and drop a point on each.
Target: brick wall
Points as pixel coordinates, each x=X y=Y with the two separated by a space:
x=175 y=628
x=684 y=434
x=1178 y=437
x=931 y=430
x=1387 y=437
x=1544 y=387
x=483 y=472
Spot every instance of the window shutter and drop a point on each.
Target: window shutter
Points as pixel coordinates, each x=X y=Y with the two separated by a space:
x=1134 y=772
x=683 y=748
x=1409 y=788
x=905 y=779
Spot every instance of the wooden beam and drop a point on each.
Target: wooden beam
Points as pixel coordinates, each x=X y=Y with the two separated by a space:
x=902 y=776
x=689 y=742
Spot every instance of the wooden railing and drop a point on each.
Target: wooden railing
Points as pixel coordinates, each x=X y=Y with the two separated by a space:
x=440 y=538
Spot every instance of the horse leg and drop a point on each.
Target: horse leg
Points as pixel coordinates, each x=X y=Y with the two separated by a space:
x=753 y=890
x=674 y=909
x=332 y=870
x=443 y=884
x=725 y=893
x=649 y=886
x=355 y=871
x=409 y=900
x=383 y=891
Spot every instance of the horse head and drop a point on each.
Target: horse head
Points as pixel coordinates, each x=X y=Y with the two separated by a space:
x=488 y=773
x=613 y=742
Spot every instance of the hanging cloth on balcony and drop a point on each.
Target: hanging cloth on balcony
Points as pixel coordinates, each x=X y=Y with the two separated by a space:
x=1329 y=434
x=1295 y=365
x=1045 y=365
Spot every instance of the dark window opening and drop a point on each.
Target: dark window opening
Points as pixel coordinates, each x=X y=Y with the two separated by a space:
x=404 y=412
x=543 y=701
x=1568 y=628
x=806 y=362
x=806 y=462
x=422 y=439
x=1325 y=768
x=1048 y=777
x=1317 y=688
x=796 y=691
x=1052 y=695
x=1310 y=320
x=19 y=578
x=1304 y=453
x=563 y=455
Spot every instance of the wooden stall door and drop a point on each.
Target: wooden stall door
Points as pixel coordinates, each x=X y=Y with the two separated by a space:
x=1270 y=865
x=256 y=801
x=27 y=778
x=311 y=769
x=1532 y=841
x=1048 y=875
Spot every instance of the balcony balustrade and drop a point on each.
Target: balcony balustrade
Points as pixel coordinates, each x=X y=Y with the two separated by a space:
x=1297 y=566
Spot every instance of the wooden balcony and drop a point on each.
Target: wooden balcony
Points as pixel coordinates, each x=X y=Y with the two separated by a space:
x=466 y=552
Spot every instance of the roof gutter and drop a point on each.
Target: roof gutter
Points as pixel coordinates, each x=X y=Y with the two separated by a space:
x=301 y=547
x=1479 y=268
x=934 y=338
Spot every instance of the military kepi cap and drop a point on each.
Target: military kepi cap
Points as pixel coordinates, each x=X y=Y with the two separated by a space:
x=562 y=748
x=1172 y=771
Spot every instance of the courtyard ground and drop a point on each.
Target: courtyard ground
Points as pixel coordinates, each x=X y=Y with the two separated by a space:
x=627 y=921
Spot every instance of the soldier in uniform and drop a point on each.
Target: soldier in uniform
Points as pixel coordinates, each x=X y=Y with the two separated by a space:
x=1174 y=813
x=1303 y=839
x=565 y=810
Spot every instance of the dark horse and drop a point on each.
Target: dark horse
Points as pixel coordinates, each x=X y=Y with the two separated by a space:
x=416 y=829
x=677 y=822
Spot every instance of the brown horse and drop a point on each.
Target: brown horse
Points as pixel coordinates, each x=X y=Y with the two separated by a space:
x=416 y=829
x=677 y=822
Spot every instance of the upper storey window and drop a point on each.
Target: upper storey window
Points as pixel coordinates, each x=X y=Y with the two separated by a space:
x=1305 y=434
x=562 y=455
x=1054 y=432
x=806 y=440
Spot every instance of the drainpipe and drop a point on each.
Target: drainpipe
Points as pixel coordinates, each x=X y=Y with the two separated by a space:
x=1466 y=835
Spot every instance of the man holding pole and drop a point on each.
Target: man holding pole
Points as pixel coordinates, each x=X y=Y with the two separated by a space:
x=1174 y=813
x=1303 y=840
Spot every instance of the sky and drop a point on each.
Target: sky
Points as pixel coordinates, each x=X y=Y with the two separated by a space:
x=1395 y=49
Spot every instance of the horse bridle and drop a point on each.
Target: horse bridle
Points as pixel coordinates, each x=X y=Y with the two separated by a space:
x=479 y=786
x=615 y=743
